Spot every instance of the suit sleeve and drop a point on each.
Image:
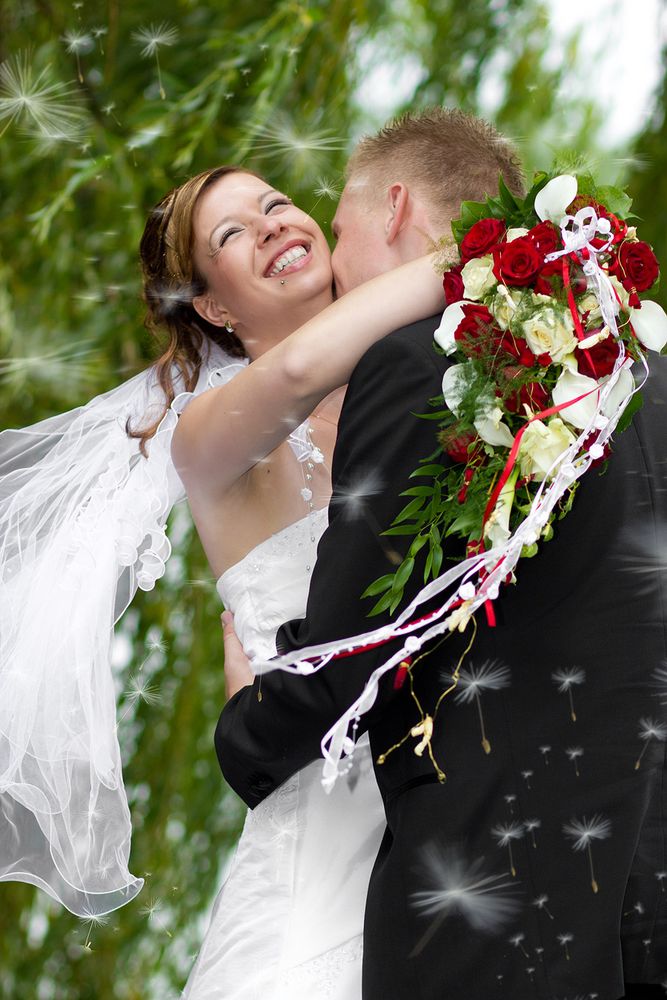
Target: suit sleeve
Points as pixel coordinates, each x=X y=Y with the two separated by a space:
x=380 y=441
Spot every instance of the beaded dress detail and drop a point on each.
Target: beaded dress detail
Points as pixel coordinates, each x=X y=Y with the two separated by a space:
x=287 y=923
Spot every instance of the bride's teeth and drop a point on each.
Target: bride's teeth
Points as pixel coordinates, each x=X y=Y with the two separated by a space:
x=294 y=253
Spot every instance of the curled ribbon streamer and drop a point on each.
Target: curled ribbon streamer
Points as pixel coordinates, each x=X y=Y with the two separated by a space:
x=578 y=231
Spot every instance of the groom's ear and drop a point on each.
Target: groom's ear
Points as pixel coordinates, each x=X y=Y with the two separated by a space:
x=398 y=198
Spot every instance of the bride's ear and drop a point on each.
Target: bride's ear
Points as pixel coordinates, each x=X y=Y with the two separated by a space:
x=398 y=198
x=210 y=310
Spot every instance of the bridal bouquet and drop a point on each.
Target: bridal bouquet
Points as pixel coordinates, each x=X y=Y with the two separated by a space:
x=545 y=315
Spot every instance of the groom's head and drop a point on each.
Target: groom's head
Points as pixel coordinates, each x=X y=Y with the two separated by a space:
x=405 y=185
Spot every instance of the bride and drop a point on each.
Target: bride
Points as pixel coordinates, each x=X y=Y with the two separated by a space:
x=248 y=393
x=288 y=920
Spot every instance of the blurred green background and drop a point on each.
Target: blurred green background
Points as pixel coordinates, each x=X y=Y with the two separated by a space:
x=103 y=107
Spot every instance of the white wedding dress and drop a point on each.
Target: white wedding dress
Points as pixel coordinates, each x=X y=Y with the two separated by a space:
x=287 y=923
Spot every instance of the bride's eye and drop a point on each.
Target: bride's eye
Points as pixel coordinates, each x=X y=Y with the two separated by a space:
x=225 y=236
x=277 y=201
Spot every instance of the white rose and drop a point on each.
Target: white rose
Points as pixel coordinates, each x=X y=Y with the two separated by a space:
x=503 y=305
x=515 y=234
x=541 y=445
x=589 y=303
x=650 y=325
x=552 y=201
x=550 y=330
x=478 y=277
x=451 y=318
x=571 y=385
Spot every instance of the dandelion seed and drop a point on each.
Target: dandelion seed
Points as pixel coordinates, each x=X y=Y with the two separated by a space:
x=510 y=800
x=565 y=940
x=531 y=973
x=545 y=751
x=517 y=940
x=152 y=38
x=156 y=646
x=539 y=952
x=93 y=920
x=637 y=908
x=567 y=679
x=661 y=876
x=326 y=188
x=573 y=754
x=304 y=152
x=505 y=833
x=531 y=825
x=140 y=690
x=47 y=104
x=649 y=730
x=457 y=887
x=541 y=904
x=78 y=43
x=153 y=911
x=582 y=832
x=98 y=34
x=527 y=775
x=474 y=681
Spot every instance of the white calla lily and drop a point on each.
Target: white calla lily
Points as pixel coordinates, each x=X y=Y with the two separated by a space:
x=444 y=335
x=497 y=527
x=552 y=201
x=490 y=427
x=624 y=386
x=454 y=387
x=569 y=386
x=650 y=325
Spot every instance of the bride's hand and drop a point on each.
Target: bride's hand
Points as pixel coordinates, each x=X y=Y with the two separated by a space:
x=237 y=665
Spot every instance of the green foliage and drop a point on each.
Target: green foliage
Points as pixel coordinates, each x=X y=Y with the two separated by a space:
x=282 y=86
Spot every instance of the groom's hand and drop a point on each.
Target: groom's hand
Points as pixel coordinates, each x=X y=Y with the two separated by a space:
x=237 y=665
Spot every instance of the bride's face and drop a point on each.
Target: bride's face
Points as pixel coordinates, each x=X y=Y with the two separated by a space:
x=263 y=258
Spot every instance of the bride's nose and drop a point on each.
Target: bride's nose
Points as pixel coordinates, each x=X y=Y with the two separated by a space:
x=269 y=227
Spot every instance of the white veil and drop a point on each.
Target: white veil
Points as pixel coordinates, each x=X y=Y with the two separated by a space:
x=82 y=525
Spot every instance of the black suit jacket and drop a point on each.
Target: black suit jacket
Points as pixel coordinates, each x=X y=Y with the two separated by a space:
x=512 y=878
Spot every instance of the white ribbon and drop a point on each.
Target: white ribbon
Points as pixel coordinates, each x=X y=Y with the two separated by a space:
x=577 y=232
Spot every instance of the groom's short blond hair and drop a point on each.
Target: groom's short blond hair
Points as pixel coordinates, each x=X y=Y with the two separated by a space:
x=448 y=156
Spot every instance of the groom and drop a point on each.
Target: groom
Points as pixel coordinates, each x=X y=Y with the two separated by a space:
x=512 y=878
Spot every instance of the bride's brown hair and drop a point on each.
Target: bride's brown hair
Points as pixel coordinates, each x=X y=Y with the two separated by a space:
x=171 y=281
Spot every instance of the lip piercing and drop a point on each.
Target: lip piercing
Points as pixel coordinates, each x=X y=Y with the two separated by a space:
x=282 y=281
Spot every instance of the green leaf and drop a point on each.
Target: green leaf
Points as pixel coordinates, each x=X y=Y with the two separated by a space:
x=379 y=585
x=615 y=199
x=635 y=404
x=403 y=529
x=403 y=574
x=437 y=560
x=418 y=544
x=381 y=605
x=410 y=510
x=428 y=470
x=417 y=491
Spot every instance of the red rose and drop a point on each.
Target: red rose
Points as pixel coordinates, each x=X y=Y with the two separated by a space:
x=599 y=360
x=544 y=284
x=452 y=283
x=635 y=266
x=481 y=238
x=545 y=237
x=461 y=446
x=517 y=348
x=517 y=263
x=477 y=332
x=532 y=394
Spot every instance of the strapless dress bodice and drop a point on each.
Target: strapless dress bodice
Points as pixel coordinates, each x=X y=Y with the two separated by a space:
x=269 y=586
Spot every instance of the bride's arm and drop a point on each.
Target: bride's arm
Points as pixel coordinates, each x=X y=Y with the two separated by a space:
x=227 y=430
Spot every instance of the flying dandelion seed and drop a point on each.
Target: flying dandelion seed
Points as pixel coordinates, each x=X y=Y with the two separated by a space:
x=152 y=38
x=545 y=751
x=98 y=34
x=460 y=888
x=140 y=690
x=473 y=682
x=153 y=911
x=517 y=940
x=78 y=43
x=565 y=940
x=661 y=876
x=510 y=800
x=541 y=903
x=637 y=908
x=530 y=971
x=540 y=952
x=93 y=920
x=566 y=680
x=46 y=103
x=527 y=775
x=573 y=754
x=505 y=833
x=649 y=730
x=327 y=188
x=582 y=832
x=530 y=826
x=659 y=676
x=156 y=646
x=303 y=153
